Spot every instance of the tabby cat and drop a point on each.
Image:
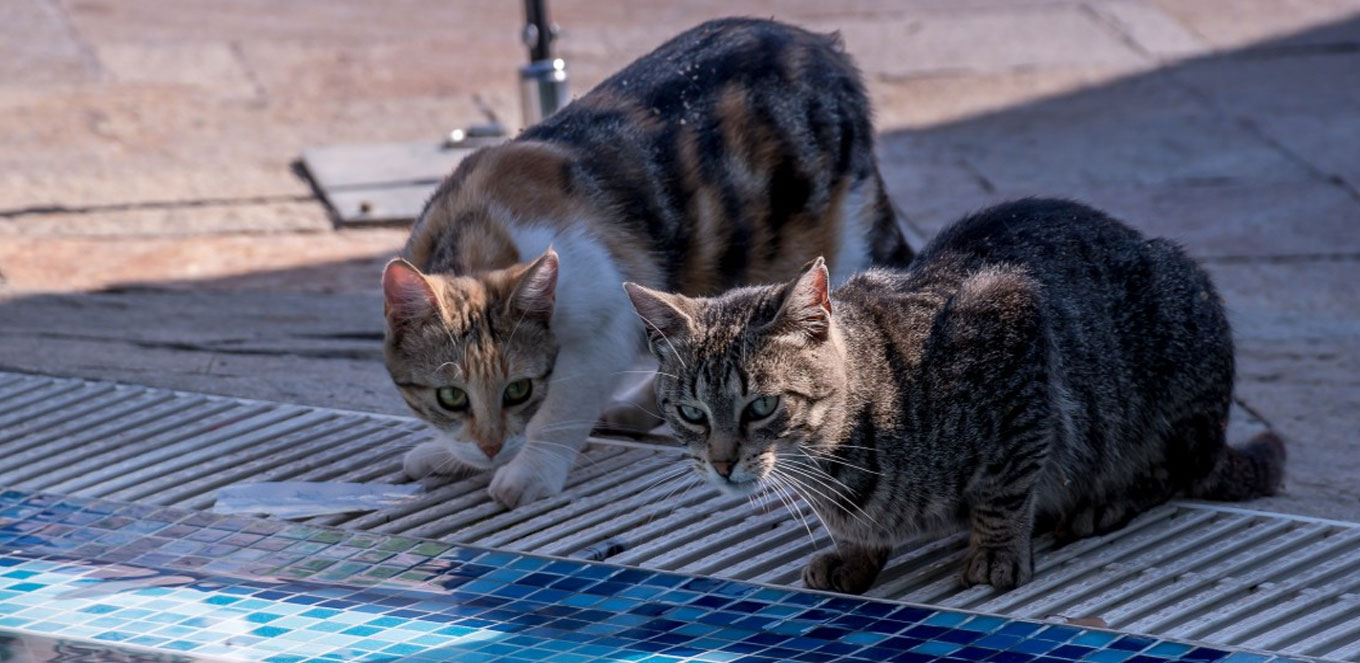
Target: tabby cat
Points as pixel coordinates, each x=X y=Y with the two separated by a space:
x=732 y=154
x=1040 y=366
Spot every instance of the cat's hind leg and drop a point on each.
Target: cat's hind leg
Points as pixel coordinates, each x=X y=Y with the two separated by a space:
x=635 y=412
x=851 y=568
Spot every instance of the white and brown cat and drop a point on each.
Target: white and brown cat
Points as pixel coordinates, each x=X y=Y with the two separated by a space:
x=731 y=155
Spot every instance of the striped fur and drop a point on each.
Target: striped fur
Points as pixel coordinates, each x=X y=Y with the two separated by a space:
x=731 y=155
x=1039 y=366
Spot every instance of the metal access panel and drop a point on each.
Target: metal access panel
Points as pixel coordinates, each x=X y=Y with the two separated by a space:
x=1203 y=572
x=384 y=183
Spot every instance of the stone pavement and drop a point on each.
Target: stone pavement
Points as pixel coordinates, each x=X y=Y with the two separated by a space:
x=153 y=230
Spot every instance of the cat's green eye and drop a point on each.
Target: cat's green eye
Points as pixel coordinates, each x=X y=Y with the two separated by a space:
x=692 y=414
x=761 y=407
x=517 y=392
x=452 y=398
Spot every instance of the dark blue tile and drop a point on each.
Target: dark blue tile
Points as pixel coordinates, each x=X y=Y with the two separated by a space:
x=572 y=584
x=974 y=654
x=1071 y=652
x=910 y=657
x=710 y=602
x=1132 y=643
x=958 y=636
x=909 y=614
x=997 y=641
x=828 y=633
x=1011 y=657
x=767 y=639
x=926 y=631
x=901 y=642
x=1020 y=629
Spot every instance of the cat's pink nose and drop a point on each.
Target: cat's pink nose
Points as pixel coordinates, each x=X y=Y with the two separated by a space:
x=723 y=467
x=490 y=450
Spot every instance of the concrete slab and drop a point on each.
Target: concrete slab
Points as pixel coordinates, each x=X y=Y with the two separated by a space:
x=39 y=47
x=212 y=68
x=349 y=261
x=268 y=345
x=1150 y=29
x=1311 y=108
x=1247 y=23
x=1298 y=333
x=168 y=221
x=1265 y=220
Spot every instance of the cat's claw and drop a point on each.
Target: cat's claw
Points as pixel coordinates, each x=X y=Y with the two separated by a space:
x=1001 y=567
x=832 y=571
x=521 y=482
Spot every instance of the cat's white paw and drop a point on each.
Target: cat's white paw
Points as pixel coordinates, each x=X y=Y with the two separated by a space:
x=523 y=481
x=432 y=464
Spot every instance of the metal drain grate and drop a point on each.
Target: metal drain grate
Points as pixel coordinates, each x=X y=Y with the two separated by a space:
x=1186 y=570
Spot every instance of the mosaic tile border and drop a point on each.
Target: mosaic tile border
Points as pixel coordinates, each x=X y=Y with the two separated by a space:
x=201 y=584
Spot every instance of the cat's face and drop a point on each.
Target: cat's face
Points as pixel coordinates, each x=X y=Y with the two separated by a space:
x=472 y=354
x=747 y=380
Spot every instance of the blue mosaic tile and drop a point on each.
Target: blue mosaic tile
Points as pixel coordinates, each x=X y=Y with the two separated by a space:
x=100 y=574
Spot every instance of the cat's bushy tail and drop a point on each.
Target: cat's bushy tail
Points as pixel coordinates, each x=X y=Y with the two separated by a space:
x=1255 y=469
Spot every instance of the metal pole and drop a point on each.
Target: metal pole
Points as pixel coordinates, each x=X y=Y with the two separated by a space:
x=543 y=82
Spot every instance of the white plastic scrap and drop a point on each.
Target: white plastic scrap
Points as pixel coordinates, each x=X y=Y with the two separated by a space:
x=303 y=499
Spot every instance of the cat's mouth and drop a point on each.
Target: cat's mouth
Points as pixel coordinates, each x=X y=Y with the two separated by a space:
x=468 y=453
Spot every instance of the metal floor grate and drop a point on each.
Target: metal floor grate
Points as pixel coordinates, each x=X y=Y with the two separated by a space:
x=1186 y=570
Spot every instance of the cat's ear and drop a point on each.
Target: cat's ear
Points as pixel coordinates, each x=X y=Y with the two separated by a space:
x=407 y=295
x=536 y=289
x=666 y=317
x=806 y=308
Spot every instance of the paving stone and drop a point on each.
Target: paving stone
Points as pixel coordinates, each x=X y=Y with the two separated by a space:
x=329 y=262
x=424 y=67
x=1246 y=23
x=1310 y=104
x=174 y=220
x=1127 y=144
x=136 y=143
x=1298 y=335
x=339 y=21
x=927 y=100
x=1151 y=29
x=39 y=48
x=1253 y=220
x=78 y=337
x=1015 y=38
x=213 y=68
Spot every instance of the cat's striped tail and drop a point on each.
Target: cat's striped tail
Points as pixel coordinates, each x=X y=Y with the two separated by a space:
x=1255 y=469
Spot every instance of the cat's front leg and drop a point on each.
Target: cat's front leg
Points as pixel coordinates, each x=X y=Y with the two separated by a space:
x=1000 y=548
x=582 y=381
x=851 y=568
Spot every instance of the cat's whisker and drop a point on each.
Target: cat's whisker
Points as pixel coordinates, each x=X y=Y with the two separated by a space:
x=793 y=472
x=684 y=487
x=818 y=471
x=669 y=476
x=780 y=479
x=839 y=461
x=776 y=482
x=847 y=446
